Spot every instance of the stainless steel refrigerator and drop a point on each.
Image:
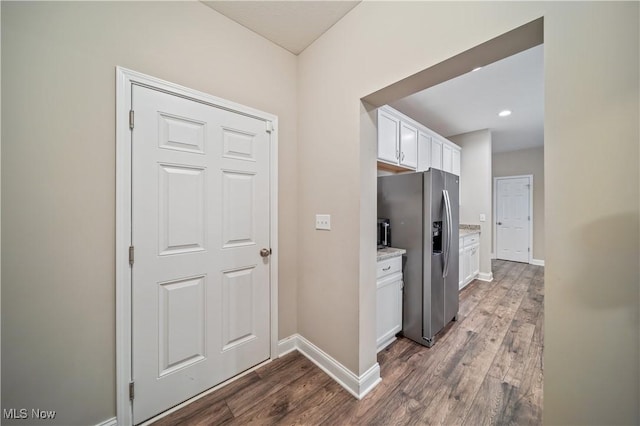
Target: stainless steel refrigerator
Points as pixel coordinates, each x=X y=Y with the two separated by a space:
x=424 y=217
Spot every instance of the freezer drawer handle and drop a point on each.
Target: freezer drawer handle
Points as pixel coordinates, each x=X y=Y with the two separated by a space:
x=387 y=268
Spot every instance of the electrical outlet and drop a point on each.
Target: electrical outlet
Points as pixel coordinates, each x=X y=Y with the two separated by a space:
x=323 y=222
x=483 y=217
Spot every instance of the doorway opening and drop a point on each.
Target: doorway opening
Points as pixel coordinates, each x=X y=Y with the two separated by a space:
x=473 y=163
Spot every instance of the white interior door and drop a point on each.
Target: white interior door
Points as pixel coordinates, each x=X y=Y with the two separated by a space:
x=513 y=218
x=200 y=217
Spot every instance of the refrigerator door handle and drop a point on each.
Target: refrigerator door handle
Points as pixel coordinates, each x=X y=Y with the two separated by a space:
x=447 y=253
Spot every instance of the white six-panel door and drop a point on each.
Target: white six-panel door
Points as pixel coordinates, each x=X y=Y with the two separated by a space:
x=513 y=218
x=200 y=217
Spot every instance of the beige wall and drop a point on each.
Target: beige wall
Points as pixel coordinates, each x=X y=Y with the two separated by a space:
x=475 y=188
x=591 y=301
x=526 y=162
x=58 y=182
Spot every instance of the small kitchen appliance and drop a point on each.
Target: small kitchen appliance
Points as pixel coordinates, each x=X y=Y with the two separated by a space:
x=384 y=233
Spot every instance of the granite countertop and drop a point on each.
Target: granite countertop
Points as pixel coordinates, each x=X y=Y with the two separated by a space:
x=389 y=252
x=469 y=229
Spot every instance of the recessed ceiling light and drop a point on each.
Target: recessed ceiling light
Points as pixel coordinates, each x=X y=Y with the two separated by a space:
x=476 y=69
x=504 y=113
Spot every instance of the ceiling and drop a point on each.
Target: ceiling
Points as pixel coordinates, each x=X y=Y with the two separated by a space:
x=464 y=104
x=473 y=100
x=293 y=25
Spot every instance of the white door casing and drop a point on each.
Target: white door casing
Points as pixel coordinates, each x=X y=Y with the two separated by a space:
x=513 y=218
x=195 y=308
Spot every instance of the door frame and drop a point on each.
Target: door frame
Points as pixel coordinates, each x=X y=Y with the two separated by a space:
x=495 y=213
x=125 y=78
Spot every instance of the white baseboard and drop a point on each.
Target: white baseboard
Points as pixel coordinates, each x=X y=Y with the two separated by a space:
x=286 y=345
x=109 y=422
x=537 y=262
x=357 y=386
x=386 y=343
x=483 y=276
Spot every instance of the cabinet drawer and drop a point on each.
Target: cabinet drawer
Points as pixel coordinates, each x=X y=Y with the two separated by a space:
x=472 y=239
x=389 y=266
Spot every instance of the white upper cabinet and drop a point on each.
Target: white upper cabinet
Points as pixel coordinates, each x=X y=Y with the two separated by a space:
x=436 y=153
x=408 y=146
x=450 y=157
x=456 y=162
x=404 y=145
x=424 y=151
x=447 y=157
x=388 y=133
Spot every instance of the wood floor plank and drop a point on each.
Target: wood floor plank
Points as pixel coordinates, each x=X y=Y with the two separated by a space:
x=241 y=402
x=281 y=402
x=464 y=378
x=198 y=408
x=515 y=345
x=311 y=409
x=475 y=365
x=489 y=404
x=394 y=372
x=485 y=369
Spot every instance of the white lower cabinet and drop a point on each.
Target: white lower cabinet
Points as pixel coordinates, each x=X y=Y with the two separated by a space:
x=389 y=301
x=475 y=261
x=469 y=262
x=461 y=274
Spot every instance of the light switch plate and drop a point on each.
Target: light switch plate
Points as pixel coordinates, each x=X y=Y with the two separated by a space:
x=323 y=222
x=483 y=217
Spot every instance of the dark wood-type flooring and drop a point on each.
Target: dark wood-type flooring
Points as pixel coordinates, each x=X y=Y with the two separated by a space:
x=486 y=368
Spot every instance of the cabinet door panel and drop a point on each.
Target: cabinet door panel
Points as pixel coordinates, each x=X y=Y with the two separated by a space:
x=389 y=309
x=475 y=260
x=424 y=151
x=456 y=162
x=408 y=145
x=388 y=131
x=436 y=154
x=461 y=266
x=467 y=264
x=447 y=158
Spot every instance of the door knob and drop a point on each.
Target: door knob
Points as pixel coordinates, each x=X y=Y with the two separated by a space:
x=499 y=223
x=265 y=252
